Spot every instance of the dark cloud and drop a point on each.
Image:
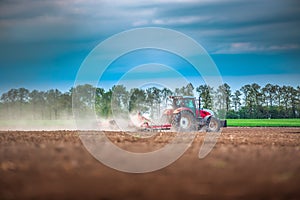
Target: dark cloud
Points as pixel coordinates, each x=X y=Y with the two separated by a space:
x=264 y=23
x=60 y=33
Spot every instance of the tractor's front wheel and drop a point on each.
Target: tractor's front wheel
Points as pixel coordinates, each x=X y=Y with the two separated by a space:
x=184 y=122
x=213 y=125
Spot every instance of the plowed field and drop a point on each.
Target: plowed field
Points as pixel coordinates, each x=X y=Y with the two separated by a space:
x=246 y=163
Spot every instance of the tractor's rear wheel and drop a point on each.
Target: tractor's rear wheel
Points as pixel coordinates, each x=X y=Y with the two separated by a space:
x=213 y=125
x=184 y=122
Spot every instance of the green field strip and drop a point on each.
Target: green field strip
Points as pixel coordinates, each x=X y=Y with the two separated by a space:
x=263 y=122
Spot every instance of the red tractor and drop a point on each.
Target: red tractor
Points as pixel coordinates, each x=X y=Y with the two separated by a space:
x=184 y=116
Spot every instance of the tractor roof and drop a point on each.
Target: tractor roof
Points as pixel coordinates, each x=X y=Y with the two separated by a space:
x=182 y=97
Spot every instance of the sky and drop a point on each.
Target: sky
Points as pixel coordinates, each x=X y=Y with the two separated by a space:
x=44 y=43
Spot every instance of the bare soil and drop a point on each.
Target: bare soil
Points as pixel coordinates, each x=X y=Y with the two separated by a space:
x=246 y=163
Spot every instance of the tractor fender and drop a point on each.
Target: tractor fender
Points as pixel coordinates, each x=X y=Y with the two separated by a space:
x=206 y=118
x=178 y=110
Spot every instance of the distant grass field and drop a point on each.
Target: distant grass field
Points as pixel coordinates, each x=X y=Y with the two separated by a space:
x=263 y=122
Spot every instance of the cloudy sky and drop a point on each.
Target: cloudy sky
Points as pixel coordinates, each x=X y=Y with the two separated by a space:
x=43 y=43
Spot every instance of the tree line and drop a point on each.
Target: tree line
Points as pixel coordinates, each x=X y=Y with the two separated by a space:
x=250 y=101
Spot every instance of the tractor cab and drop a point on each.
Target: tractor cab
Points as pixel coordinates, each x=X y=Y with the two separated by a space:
x=189 y=103
x=184 y=102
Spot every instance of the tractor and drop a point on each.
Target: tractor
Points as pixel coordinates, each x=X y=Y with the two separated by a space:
x=184 y=116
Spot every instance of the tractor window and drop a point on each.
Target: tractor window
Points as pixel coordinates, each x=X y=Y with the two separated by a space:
x=177 y=103
x=189 y=103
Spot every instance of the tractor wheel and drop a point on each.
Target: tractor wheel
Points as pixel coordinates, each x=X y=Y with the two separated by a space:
x=213 y=125
x=184 y=122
